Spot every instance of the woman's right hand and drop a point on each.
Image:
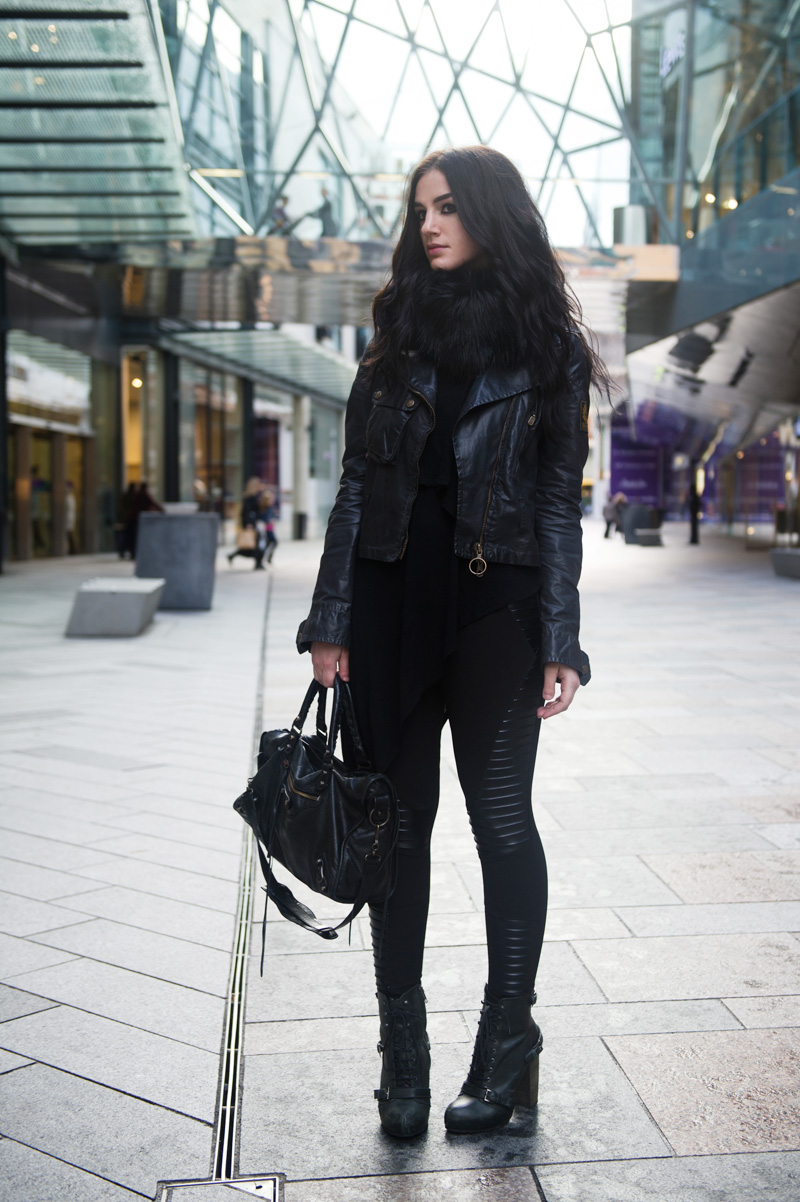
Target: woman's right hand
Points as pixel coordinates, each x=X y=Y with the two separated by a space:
x=326 y=659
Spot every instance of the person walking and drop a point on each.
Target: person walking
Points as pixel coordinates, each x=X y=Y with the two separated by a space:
x=250 y=536
x=612 y=513
x=71 y=518
x=447 y=591
x=267 y=520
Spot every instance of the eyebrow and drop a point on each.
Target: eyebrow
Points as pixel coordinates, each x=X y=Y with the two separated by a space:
x=436 y=199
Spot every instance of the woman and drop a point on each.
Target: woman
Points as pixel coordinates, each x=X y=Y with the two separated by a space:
x=250 y=542
x=448 y=590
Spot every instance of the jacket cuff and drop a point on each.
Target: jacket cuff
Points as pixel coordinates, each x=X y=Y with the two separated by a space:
x=568 y=652
x=328 y=622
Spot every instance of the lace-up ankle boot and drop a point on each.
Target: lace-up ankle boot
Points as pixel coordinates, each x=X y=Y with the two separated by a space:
x=404 y=1099
x=504 y=1070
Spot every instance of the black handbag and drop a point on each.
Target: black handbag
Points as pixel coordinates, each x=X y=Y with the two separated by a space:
x=332 y=824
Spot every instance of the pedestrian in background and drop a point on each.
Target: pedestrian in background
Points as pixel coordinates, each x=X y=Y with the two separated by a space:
x=250 y=536
x=448 y=590
x=613 y=511
x=267 y=518
x=71 y=517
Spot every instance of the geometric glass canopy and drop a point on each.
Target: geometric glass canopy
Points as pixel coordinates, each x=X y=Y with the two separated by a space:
x=90 y=140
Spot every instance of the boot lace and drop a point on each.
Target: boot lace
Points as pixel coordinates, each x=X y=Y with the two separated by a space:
x=483 y=1055
x=404 y=1051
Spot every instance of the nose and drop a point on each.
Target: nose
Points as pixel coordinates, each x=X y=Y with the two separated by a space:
x=430 y=225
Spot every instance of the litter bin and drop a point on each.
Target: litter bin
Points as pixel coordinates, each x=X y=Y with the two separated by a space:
x=181 y=548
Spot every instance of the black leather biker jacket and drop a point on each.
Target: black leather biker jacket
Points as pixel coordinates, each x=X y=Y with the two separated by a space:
x=519 y=492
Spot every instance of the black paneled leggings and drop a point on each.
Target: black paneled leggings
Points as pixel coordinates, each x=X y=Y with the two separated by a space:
x=490 y=691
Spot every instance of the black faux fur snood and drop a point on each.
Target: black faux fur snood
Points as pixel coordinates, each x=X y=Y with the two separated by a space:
x=464 y=322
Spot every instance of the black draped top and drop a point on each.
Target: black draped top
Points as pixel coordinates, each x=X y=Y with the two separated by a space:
x=406 y=615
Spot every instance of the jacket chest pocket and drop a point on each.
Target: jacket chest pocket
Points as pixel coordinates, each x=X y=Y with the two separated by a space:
x=528 y=437
x=386 y=425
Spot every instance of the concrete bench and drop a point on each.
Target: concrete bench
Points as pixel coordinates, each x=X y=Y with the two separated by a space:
x=786 y=561
x=114 y=607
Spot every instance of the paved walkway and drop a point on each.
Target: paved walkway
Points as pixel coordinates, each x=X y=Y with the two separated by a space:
x=669 y=800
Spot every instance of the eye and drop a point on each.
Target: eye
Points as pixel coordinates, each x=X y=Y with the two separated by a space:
x=447 y=208
x=420 y=214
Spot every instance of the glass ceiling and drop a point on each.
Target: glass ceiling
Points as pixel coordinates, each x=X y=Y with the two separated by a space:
x=90 y=141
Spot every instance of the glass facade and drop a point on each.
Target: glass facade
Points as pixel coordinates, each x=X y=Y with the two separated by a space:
x=714 y=108
x=210 y=443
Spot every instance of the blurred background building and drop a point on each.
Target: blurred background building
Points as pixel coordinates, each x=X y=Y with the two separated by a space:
x=198 y=200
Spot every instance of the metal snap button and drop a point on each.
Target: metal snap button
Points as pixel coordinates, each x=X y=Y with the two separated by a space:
x=377 y=396
x=410 y=403
x=531 y=419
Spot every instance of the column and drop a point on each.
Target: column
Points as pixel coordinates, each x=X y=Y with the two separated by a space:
x=58 y=479
x=23 y=450
x=301 y=425
x=90 y=537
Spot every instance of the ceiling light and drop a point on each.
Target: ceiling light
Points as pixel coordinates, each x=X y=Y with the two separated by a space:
x=136 y=382
x=710 y=198
x=54 y=40
x=751 y=529
x=731 y=204
x=790 y=212
x=34 y=48
x=690 y=233
x=740 y=454
x=221 y=172
x=38 y=79
x=13 y=36
x=51 y=28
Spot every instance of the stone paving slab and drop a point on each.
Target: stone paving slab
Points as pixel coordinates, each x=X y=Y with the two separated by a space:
x=30 y=1174
x=142 y=1001
x=745 y=1178
x=150 y=1067
x=587 y=1108
x=103 y=1131
x=476 y=1185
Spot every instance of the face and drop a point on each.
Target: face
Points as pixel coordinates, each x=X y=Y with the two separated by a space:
x=445 y=241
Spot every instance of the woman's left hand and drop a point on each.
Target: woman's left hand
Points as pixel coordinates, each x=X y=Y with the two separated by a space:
x=569 y=681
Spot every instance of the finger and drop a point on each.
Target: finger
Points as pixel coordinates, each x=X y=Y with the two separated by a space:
x=550 y=678
x=344 y=664
x=570 y=683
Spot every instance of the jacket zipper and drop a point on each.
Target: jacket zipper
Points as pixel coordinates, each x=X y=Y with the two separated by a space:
x=419 y=457
x=478 y=565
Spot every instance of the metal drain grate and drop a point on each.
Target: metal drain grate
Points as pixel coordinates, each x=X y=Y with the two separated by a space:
x=269 y=1188
x=224 y=1186
x=226 y=1127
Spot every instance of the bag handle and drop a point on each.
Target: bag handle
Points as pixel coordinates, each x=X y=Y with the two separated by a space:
x=342 y=707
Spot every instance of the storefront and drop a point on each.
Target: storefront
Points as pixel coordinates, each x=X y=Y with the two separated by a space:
x=51 y=449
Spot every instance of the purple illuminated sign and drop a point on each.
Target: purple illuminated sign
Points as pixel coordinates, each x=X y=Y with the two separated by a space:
x=636 y=470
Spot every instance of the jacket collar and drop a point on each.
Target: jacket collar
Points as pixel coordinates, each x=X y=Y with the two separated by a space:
x=492 y=385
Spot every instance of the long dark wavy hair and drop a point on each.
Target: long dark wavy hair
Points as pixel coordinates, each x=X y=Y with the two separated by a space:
x=497 y=210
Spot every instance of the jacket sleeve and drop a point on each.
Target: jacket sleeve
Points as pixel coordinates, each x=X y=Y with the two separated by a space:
x=328 y=620
x=562 y=454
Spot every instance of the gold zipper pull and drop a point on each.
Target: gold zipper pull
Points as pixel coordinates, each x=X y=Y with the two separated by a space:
x=478 y=564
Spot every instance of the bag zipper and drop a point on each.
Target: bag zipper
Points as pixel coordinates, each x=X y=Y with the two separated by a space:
x=422 y=397
x=478 y=565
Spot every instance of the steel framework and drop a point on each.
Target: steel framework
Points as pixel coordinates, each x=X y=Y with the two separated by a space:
x=347 y=94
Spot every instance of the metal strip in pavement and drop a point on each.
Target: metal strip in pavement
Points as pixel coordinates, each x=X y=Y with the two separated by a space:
x=226 y=1124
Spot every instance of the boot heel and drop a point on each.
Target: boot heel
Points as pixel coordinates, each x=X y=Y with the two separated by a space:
x=528 y=1089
